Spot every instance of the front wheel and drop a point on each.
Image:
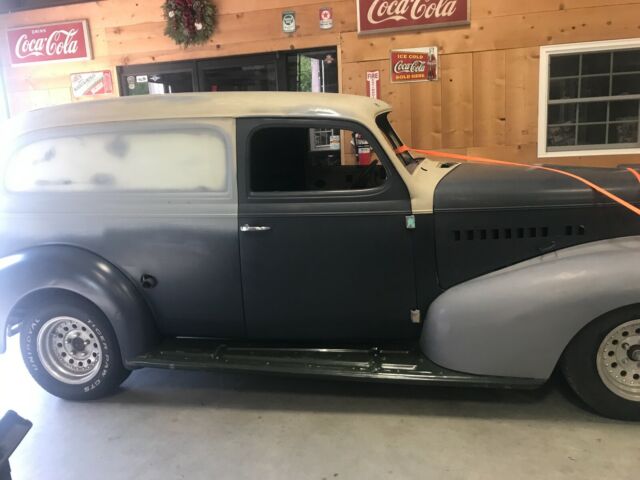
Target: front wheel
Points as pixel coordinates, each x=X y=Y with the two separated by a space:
x=602 y=364
x=71 y=350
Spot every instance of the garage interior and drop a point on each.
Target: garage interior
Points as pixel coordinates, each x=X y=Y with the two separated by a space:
x=545 y=82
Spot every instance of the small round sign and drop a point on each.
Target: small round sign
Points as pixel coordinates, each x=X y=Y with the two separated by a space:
x=326 y=18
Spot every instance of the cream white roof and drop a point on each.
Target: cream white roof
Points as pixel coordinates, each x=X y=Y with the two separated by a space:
x=421 y=183
x=199 y=105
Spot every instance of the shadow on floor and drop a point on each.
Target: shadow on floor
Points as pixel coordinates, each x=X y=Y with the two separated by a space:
x=553 y=401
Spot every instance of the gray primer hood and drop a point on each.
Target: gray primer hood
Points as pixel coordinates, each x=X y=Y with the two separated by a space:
x=472 y=186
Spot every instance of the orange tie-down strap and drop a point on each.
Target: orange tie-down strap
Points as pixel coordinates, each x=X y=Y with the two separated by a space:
x=490 y=161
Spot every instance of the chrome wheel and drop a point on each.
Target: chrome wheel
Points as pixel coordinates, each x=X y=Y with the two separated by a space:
x=69 y=350
x=618 y=361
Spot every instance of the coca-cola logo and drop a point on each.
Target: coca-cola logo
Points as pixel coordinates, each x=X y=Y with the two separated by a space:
x=383 y=10
x=46 y=43
x=59 y=42
x=377 y=15
x=417 y=66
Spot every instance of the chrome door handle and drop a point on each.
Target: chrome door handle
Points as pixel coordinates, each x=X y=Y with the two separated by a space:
x=249 y=228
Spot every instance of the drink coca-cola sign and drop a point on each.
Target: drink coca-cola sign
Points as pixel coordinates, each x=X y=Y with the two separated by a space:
x=414 y=65
x=53 y=42
x=387 y=15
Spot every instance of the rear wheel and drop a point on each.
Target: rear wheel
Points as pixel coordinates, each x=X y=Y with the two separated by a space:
x=602 y=364
x=71 y=350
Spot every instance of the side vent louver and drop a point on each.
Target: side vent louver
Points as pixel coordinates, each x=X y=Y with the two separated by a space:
x=571 y=230
x=484 y=234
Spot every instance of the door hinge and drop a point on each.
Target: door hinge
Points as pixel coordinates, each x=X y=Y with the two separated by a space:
x=410 y=222
x=416 y=317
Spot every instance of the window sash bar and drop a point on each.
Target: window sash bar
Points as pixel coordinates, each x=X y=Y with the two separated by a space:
x=614 y=98
x=606 y=129
x=592 y=75
x=577 y=130
x=574 y=124
x=598 y=146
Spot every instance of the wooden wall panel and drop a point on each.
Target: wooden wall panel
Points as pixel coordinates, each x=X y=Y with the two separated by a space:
x=522 y=95
x=426 y=115
x=486 y=102
x=457 y=100
x=255 y=31
x=354 y=81
x=506 y=32
x=498 y=8
x=489 y=110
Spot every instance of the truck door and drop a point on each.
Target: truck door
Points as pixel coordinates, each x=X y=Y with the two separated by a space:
x=324 y=248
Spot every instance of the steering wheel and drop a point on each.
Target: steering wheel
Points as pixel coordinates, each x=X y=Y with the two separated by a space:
x=365 y=174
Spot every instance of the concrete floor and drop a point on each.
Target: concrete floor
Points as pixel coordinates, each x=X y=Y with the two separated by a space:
x=169 y=424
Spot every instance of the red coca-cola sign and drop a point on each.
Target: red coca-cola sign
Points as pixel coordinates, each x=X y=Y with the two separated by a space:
x=386 y=15
x=53 y=42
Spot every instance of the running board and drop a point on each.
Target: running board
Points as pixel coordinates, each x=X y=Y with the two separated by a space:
x=399 y=365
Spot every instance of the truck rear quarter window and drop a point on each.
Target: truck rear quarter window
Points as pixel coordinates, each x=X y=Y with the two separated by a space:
x=181 y=160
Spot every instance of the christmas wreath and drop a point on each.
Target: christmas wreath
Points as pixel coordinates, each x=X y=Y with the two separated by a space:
x=189 y=22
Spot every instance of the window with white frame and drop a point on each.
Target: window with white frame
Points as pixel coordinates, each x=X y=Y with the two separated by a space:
x=590 y=99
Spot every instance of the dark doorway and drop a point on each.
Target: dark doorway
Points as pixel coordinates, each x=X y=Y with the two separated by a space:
x=298 y=71
x=248 y=74
x=174 y=77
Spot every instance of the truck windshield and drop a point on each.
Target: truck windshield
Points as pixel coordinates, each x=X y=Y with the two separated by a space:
x=383 y=122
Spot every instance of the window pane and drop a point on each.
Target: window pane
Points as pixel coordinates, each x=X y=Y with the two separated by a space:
x=593 y=112
x=623 y=133
x=596 y=63
x=254 y=77
x=626 y=61
x=564 y=65
x=565 y=113
x=626 y=84
x=587 y=105
x=594 y=87
x=627 y=110
x=299 y=159
x=592 y=134
x=561 y=136
x=561 y=89
x=189 y=160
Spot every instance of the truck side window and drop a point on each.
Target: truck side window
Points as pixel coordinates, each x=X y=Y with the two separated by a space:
x=181 y=160
x=299 y=159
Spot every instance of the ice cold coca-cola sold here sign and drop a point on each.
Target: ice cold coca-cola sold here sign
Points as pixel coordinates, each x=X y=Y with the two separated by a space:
x=54 y=42
x=387 y=15
x=414 y=65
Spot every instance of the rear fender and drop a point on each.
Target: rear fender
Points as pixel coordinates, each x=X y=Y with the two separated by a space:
x=39 y=270
x=516 y=322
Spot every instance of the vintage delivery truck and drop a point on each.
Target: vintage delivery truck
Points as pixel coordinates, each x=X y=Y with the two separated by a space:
x=292 y=233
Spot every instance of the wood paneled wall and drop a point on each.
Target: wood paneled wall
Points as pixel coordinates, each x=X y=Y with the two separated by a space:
x=486 y=102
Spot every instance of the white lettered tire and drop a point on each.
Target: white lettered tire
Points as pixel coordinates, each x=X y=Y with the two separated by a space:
x=602 y=364
x=70 y=349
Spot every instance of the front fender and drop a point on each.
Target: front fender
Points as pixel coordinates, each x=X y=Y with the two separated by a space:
x=80 y=271
x=516 y=322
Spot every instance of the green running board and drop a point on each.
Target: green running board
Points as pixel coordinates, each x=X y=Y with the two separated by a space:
x=401 y=364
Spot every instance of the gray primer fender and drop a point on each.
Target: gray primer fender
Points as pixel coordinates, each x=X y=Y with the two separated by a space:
x=516 y=322
x=79 y=271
